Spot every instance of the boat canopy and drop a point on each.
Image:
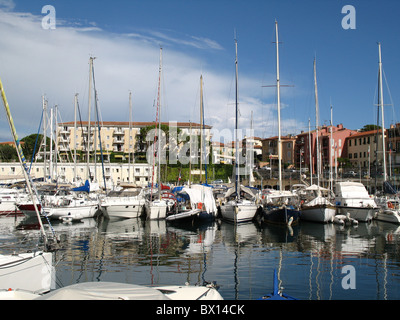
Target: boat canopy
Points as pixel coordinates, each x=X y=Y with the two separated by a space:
x=201 y=194
x=104 y=291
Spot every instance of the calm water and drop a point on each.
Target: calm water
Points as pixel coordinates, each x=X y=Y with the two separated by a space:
x=309 y=258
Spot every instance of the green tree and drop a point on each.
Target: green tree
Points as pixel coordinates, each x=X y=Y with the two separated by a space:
x=369 y=127
x=8 y=153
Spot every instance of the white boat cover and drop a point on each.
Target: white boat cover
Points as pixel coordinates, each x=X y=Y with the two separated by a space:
x=201 y=194
x=317 y=201
x=242 y=188
x=104 y=291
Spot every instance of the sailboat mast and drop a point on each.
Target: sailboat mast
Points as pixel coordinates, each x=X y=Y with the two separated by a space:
x=44 y=102
x=75 y=133
x=382 y=113
x=201 y=129
x=278 y=88
x=159 y=126
x=236 y=124
x=310 y=153
x=331 y=152
x=317 y=121
x=89 y=109
x=130 y=135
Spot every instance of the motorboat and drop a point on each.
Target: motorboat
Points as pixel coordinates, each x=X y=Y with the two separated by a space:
x=353 y=198
x=126 y=203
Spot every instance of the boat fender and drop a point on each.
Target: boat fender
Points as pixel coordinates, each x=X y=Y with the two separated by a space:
x=236 y=210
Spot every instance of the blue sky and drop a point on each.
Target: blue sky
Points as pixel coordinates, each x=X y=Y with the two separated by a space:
x=198 y=38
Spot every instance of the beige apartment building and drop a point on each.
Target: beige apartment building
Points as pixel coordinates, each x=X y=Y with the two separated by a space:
x=116 y=137
x=362 y=147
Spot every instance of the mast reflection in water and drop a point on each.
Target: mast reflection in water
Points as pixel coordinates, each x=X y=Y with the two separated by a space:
x=309 y=258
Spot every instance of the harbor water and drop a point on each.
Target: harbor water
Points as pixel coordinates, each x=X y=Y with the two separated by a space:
x=313 y=261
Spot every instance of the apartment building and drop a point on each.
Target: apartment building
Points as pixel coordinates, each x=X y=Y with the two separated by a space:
x=332 y=145
x=362 y=148
x=270 y=150
x=116 y=138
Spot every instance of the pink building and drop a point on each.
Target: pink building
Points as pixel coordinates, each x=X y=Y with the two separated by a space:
x=337 y=150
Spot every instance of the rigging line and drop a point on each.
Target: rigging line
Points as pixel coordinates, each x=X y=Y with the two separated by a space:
x=37 y=137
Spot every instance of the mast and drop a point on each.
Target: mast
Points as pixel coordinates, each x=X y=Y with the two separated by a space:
x=201 y=128
x=317 y=121
x=236 y=124
x=89 y=108
x=44 y=103
x=278 y=88
x=51 y=145
x=309 y=149
x=130 y=140
x=331 y=152
x=159 y=126
x=75 y=111
x=382 y=113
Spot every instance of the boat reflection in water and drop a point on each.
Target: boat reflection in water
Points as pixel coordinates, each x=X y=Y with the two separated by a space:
x=308 y=258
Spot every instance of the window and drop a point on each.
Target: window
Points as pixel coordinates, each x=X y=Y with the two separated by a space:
x=349 y=143
x=355 y=155
x=355 y=142
x=360 y=154
x=350 y=156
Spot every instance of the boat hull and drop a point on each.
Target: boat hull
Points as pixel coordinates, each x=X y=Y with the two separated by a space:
x=361 y=214
x=318 y=213
x=71 y=213
x=156 y=210
x=280 y=215
x=238 y=212
x=388 y=216
x=123 y=209
x=31 y=271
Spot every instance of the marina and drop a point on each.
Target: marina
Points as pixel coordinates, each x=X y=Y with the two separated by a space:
x=241 y=258
x=204 y=191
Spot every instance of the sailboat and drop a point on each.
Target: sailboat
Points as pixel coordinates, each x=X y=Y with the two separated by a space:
x=128 y=202
x=81 y=205
x=390 y=203
x=318 y=208
x=198 y=202
x=33 y=270
x=281 y=207
x=237 y=208
x=156 y=205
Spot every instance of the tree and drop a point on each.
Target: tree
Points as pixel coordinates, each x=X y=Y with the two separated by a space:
x=8 y=153
x=28 y=147
x=369 y=127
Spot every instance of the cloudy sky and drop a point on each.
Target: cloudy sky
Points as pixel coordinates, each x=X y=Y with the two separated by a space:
x=197 y=38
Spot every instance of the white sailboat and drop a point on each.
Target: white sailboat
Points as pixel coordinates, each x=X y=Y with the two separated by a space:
x=280 y=207
x=318 y=208
x=389 y=204
x=156 y=206
x=238 y=209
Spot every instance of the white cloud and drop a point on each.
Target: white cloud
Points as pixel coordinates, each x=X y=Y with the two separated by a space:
x=34 y=62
